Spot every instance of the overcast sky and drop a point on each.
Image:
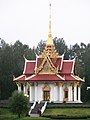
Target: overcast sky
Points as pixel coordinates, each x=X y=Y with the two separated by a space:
x=27 y=21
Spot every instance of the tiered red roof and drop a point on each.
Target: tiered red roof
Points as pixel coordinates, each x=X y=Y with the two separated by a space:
x=65 y=71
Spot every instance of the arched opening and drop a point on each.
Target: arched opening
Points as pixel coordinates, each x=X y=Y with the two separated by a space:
x=46 y=92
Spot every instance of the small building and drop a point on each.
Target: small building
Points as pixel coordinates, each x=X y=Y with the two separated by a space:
x=50 y=77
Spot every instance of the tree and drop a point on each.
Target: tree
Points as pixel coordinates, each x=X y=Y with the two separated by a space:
x=61 y=47
x=40 y=47
x=12 y=63
x=19 y=103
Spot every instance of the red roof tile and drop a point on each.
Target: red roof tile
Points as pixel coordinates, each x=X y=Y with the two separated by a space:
x=67 y=67
x=29 y=67
x=45 y=77
x=58 y=63
x=69 y=77
x=39 y=61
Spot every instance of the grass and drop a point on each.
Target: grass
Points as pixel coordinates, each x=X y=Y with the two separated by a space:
x=67 y=111
x=5 y=113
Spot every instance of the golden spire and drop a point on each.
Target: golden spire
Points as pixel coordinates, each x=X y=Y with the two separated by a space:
x=49 y=41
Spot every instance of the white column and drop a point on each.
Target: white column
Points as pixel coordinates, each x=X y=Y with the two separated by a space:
x=24 y=88
x=69 y=92
x=75 y=91
x=79 y=93
x=19 y=87
x=52 y=93
x=71 y=96
x=36 y=91
x=61 y=92
x=55 y=92
x=30 y=95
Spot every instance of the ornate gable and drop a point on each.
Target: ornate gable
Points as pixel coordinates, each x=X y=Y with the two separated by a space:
x=46 y=67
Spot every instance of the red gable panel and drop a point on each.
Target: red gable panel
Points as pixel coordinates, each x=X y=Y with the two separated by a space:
x=45 y=77
x=67 y=67
x=29 y=67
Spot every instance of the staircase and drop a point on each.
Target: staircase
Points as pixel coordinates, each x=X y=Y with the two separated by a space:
x=35 y=111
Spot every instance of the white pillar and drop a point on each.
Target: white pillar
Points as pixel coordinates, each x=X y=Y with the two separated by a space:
x=71 y=96
x=52 y=93
x=30 y=95
x=19 y=87
x=55 y=92
x=79 y=93
x=75 y=91
x=36 y=91
x=24 y=88
x=61 y=92
x=69 y=92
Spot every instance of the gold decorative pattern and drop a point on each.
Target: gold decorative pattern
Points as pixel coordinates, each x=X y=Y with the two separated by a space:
x=46 y=67
x=61 y=84
x=75 y=84
x=18 y=84
x=36 y=83
x=31 y=84
x=46 y=87
x=55 y=83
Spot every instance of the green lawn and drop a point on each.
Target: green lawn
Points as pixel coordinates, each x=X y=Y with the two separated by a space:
x=5 y=114
x=67 y=111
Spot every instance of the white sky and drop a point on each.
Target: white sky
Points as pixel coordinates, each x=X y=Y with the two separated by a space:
x=27 y=21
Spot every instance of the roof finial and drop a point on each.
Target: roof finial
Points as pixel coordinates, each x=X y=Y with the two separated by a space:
x=50 y=41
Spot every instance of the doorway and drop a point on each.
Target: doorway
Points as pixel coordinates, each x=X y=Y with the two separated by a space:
x=66 y=94
x=46 y=95
x=46 y=92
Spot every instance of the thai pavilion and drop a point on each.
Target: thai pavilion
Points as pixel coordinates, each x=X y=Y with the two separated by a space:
x=50 y=77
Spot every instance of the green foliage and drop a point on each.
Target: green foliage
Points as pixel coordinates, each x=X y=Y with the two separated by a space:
x=12 y=63
x=71 y=105
x=40 y=47
x=19 y=104
x=61 y=47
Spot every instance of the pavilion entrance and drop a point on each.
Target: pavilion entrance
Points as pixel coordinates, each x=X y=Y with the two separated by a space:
x=46 y=93
x=66 y=94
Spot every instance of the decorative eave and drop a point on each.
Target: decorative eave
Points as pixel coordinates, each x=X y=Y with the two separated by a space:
x=62 y=56
x=77 y=78
x=45 y=77
x=20 y=77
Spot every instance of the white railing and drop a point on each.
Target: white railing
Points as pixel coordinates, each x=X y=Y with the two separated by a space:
x=32 y=107
x=44 y=107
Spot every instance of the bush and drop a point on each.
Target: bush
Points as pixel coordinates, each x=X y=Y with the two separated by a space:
x=58 y=105
x=19 y=103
